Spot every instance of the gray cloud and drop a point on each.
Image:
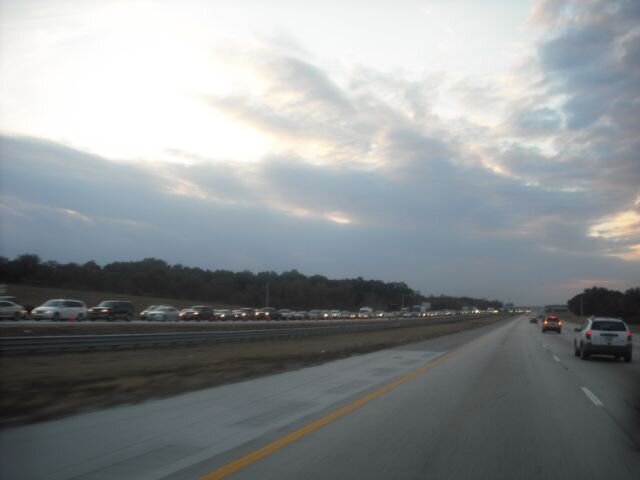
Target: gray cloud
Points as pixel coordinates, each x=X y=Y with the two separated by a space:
x=444 y=226
x=537 y=121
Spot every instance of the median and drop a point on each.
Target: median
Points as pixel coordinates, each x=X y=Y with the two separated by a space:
x=35 y=387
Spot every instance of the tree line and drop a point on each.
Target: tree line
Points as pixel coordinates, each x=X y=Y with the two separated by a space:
x=603 y=302
x=291 y=289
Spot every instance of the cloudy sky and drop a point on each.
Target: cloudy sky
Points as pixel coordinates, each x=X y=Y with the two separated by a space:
x=482 y=148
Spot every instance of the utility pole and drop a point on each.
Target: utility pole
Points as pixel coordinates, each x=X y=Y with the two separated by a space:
x=581 y=309
x=267 y=295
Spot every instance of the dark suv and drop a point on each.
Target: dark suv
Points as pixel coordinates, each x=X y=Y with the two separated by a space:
x=552 y=323
x=112 y=310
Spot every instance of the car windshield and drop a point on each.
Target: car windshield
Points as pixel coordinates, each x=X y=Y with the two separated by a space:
x=608 y=326
x=107 y=304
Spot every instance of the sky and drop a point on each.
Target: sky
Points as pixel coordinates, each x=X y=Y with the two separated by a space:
x=488 y=149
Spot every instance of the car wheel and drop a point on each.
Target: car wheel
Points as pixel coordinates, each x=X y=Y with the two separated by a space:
x=16 y=316
x=584 y=355
x=80 y=317
x=559 y=332
x=576 y=352
x=56 y=317
x=127 y=318
x=164 y=318
x=627 y=357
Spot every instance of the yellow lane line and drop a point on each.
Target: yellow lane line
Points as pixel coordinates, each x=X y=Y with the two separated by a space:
x=276 y=445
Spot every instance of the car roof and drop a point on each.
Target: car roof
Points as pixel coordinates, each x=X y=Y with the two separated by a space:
x=608 y=319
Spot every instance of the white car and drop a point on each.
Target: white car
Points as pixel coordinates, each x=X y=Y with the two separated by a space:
x=603 y=336
x=12 y=310
x=60 y=309
x=163 y=313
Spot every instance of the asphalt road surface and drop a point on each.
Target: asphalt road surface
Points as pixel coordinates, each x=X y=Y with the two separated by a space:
x=500 y=402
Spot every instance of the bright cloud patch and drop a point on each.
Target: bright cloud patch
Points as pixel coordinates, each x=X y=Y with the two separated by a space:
x=622 y=225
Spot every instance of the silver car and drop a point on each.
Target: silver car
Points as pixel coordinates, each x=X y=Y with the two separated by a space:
x=603 y=336
x=12 y=310
x=60 y=309
x=163 y=313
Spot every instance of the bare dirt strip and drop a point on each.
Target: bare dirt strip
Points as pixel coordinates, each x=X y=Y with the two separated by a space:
x=44 y=386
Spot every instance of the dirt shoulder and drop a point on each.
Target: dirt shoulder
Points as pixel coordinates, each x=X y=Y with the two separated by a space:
x=46 y=386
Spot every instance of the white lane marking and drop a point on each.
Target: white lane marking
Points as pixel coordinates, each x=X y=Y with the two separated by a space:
x=556 y=358
x=596 y=401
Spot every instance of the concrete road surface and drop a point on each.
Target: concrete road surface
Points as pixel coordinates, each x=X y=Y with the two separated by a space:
x=500 y=402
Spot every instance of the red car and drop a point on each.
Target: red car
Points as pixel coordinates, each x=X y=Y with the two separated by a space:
x=552 y=323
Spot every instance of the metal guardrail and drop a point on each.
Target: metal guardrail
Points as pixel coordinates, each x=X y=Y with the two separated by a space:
x=51 y=343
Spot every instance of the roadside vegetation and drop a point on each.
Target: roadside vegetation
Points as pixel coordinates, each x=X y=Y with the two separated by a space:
x=607 y=303
x=152 y=277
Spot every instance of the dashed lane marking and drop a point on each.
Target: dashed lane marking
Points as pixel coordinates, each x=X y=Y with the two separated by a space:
x=592 y=396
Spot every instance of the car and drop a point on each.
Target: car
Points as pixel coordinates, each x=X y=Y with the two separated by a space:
x=196 y=312
x=60 y=309
x=111 y=310
x=533 y=320
x=244 y=314
x=300 y=315
x=223 y=315
x=267 y=313
x=144 y=313
x=12 y=310
x=163 y=313
x=286 y=314
x=603 y=336
x=11 y=298
x=552 y=323
x=315 y=314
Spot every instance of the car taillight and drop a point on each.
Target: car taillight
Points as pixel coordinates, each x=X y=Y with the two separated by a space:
x=628 y=336
x=560 y=323
x=587 y=334
x=545 y=322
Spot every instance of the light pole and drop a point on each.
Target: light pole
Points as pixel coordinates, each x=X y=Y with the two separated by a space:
x=267 y=295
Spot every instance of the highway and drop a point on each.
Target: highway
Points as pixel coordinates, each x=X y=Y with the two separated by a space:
x=498 y=402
